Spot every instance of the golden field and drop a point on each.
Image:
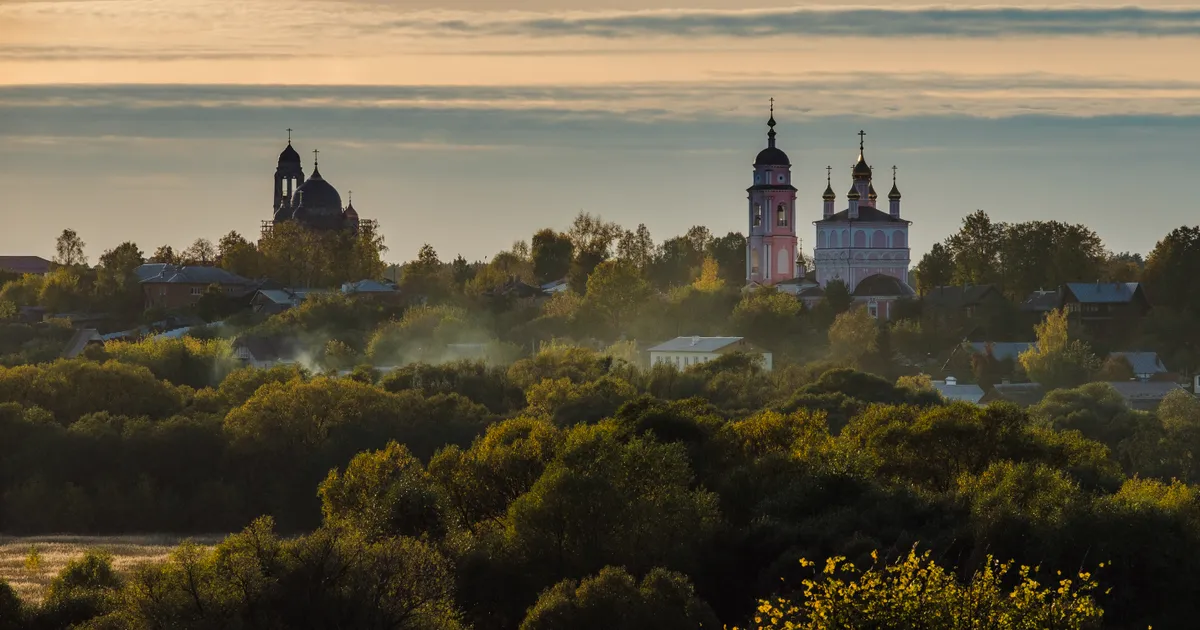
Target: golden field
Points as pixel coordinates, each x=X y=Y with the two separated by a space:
x=57 y=551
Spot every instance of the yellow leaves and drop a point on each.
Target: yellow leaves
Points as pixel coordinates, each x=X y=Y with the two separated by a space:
x=916 y=592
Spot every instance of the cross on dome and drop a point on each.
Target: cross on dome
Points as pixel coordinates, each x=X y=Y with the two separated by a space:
x=289 y=135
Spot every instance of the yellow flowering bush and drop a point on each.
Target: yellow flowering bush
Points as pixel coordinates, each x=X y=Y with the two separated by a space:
x=916 y=593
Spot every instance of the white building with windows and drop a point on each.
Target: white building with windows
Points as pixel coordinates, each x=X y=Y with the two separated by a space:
x=684 y=352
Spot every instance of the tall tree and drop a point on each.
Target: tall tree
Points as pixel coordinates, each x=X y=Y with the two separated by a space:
x=116 y=282
x=68 y=249
x=1058 y=361
x=164 y=254
x=936 y=269
x=201 y=252
x=730 y=253
x=552 y=253
x=424 y=276
x=976 y=249
x=237 y=255
x=616 y=290
x=1046 y=254
x=636 y=247
x=1172 y=273
x=853 y=335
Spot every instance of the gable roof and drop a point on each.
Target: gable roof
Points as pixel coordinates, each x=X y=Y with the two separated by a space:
x=968 y=393
x=25 y=264
x=1021 y=394
x=1002 y=350
x=171 y=274
x=369 y=286
x=1103 y=292
x=1042 y=301
x=1144 y=395
x=696 y=344
x=1142 y=362
x=866 y=214
x=959 y=296
x=80 y=340
x=267 y=348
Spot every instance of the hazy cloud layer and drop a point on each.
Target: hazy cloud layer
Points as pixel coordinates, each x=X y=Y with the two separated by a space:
x=825 y=22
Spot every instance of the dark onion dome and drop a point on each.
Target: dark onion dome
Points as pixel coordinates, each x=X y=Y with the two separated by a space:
x=318 y=197
x=861 y=170
x=872 y=195
x=350 y=214
x=772 y=156
x=289 y=155
x=895 y=194
x=853 y=194
x=829 y=194
x=883 y=285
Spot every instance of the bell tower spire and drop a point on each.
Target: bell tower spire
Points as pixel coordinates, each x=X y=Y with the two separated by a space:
x=771 y=244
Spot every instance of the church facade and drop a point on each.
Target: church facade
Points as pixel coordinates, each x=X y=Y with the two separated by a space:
x=311 y=202
x=859 y=245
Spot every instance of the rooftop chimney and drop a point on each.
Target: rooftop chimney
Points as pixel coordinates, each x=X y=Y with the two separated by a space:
x=950 y=380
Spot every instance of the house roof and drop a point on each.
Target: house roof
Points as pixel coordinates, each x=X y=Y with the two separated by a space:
x=1002 y=350
x=697 y=344
x=866 y=214
x=1144 y=395
x=958 y=296
x=171 y=274
x=79 y=341
x=1103 y=292
x=1041 y=301
x=25 y=264
x=966 y=393
x=1143 y=362
x=369 y=286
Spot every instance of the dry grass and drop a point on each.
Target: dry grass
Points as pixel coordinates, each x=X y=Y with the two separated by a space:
x=57 y=551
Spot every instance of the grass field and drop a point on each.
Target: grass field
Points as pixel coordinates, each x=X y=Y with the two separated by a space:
x=57 y=551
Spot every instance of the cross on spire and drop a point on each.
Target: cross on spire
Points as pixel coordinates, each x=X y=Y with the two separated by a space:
x=315 y=154
x=772 y=107
x=893 y=174
x=861 y=140
x=829 y=175
x=350 y=196
x=289 y=135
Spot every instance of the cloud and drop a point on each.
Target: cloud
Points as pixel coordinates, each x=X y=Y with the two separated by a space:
x=27 y=110
x=984 y=22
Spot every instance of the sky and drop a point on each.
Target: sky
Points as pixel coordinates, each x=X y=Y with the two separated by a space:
x=470 y=124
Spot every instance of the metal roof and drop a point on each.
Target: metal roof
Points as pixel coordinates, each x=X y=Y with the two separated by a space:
x=25 y=264
x=1103 y=292
x=696 y=344
x=1142 y=362
x=1003 y=350
x=966 y=393
x=170 y=274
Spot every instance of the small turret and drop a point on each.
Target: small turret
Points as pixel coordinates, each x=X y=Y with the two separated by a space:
x=829 y=197
x=894 y=197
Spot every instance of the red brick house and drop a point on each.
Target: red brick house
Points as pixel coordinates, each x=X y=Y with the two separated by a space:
x=172 y=287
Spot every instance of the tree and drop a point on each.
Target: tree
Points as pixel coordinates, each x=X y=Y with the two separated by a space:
x=69 y=249
x=201 y=252
x=1116 y=368
x=164 y=254
x=768 y=317
x=853 y=335
x=837 y=297
x=1056 y=360
x=710 y=277
x=636 y=247
x=382 y=494
x=593 y=235
x=936 y=269
x=123 y=259
x=730 y=253
x=915 y=592
x=1172 y=274
x=1043 y=254
x=237 y=255
x=116 y=280
x=613 y=599
x=552 y=253
x=976 y=249
x=424 y=276
x=616 y=290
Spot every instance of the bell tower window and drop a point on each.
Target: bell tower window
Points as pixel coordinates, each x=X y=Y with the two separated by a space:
x=758 y=214
x=781 y=215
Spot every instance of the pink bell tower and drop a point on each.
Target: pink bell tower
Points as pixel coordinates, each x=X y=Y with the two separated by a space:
x=771 y=246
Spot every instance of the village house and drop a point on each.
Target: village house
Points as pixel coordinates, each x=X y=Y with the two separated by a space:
x=22 y=265
x=171 y=286
x=684 y=352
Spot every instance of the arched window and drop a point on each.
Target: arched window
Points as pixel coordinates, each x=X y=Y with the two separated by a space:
x=781 y=215
x=784 y=266
x=757 y=214
x=879 y=240
x=823 y=240
x=845 y=238
x=898 y=240
x=754 y=260
x=860 y=239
